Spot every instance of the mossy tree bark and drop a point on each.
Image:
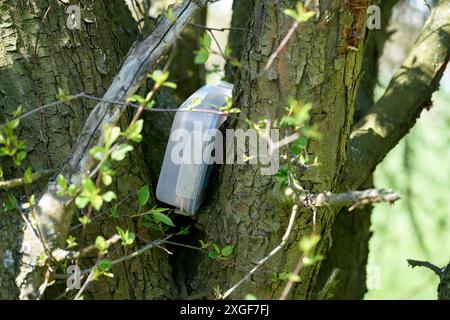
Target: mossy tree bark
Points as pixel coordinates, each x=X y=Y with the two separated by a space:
x=38 y=55
x=316 y=66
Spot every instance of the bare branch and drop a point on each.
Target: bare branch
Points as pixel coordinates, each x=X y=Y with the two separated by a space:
x=352 y=199
x=415 y=263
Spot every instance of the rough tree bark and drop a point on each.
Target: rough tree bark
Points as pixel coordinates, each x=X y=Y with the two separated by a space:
x=351 y=231
x=316 y=66
x=38 y=56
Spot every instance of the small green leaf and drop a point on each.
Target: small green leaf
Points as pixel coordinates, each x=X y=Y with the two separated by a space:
x=106 y=179
x=109 y=196
x=143 y=195
x=133 y=133
x=100 y=244
x=104 y=264
x=206 y=40
x=81 y=202
x=201 y=56
x=110 y=135
x=213 y=254
x=121 y=152
x=283 y=275
x=61 y=182
x=96 y=202
x=84 y=220
x=161 y=217
x=290 y=13
x=171 y=85
x=227 y=250
x=27 y=176
x=138 y=99
x=71 y=242
x=98 y=153
x=114 y=213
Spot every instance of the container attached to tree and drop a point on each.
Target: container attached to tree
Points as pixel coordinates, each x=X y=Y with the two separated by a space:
x=189 y=156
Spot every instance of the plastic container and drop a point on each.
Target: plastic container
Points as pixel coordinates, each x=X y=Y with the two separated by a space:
x=187 y=167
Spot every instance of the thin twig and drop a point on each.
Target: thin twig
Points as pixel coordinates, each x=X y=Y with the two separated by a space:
x=291 y=280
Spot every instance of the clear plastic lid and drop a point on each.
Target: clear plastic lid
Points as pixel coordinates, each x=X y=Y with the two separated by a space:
x=187 y=161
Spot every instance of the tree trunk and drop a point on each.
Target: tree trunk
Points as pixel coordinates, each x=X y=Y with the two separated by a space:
x=351 y=231
x=316 y=66
x=39 y=55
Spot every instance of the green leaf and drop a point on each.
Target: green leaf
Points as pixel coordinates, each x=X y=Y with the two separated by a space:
x=298 y=145
x=294 y=278
x=195 y=102
x=281 y=177
x=98 y=153
x=19 y=157
x=27 y=176
x=161 y=217
x=250 y=297
x=109 y=196
x=227 y=250
x=213 y=254
x=283 y=275
x=106 y=179
x=81 y=201
x=308 y=243
x=61 y=182
x=216 y=248
x=206 y=40
x=88 y=186
x=171 y=85
x=143 y=195
x=72 y=190
x=71 y=242
x=96 y=202
x=133 y=133
x=100 y=244
x=138 y=99
x=114 y=213
x=104 y=264
x=159 y=76
x=184 y=231
x=84 y=220
x=121 y=152
x=290 y=13
x=110 y=135
x=201 y=56
x=126 y=236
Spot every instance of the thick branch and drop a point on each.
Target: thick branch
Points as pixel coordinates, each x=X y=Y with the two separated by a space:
x=408 y=94
x=53 y=217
